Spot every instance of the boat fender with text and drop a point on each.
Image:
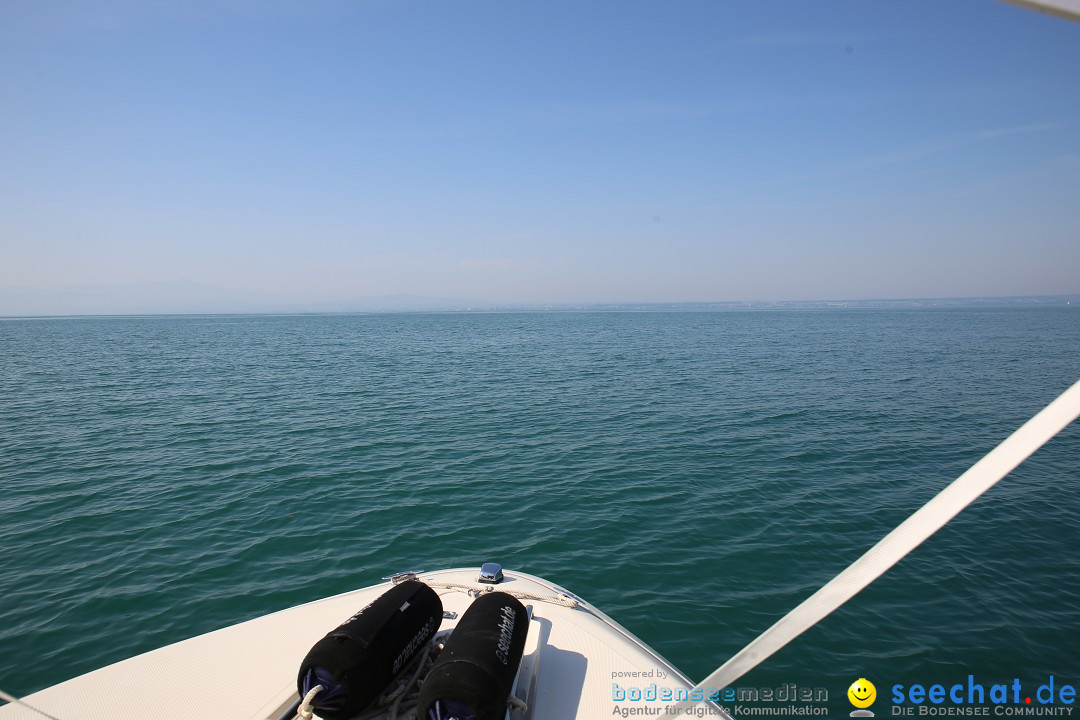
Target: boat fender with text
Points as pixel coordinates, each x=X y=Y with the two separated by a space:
x=356 y=661
x=473 y=675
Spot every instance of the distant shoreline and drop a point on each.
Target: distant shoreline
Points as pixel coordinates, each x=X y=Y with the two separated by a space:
x=443 y=307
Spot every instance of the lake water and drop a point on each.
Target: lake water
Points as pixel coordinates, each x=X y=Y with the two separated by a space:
x=694 y=474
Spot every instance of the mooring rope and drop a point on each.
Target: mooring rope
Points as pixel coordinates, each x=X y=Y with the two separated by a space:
x=16 y=701
x=564 y=600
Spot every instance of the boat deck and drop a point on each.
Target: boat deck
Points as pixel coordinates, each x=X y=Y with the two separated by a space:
x=573 y=655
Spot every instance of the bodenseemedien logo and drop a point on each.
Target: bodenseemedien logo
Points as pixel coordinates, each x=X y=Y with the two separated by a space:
x=862 y=694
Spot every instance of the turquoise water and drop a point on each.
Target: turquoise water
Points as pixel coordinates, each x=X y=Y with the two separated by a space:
x=695 y=475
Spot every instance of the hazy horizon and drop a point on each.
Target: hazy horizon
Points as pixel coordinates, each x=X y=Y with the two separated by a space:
x=303 y=154
x=193 y=299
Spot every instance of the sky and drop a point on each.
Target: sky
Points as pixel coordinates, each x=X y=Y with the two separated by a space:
x=314 y=151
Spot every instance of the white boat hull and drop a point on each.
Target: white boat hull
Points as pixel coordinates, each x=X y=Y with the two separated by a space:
x=573 y=656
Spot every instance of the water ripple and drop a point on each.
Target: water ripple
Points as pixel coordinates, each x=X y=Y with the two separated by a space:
x=695 y=475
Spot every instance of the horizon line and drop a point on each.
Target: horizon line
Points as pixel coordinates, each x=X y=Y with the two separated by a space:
x=1056 y=300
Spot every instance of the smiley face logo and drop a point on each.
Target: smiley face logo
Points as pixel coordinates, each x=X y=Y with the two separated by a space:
x=862 y=693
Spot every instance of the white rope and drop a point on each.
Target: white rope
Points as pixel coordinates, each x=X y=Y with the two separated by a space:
x=403 y=699
x=424 y=656
x=306 y=709
x=905 y=537
x=16 y=701
x=564 y=600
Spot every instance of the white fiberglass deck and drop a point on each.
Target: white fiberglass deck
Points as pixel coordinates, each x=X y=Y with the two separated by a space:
x=573 y=655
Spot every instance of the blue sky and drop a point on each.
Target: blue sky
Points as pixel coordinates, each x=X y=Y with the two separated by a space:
x=540 y=152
